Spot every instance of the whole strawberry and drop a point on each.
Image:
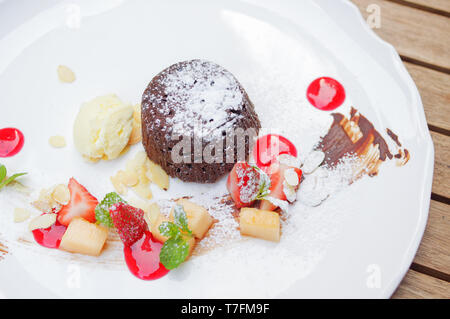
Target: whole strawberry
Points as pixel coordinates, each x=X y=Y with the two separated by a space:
x=129 y=222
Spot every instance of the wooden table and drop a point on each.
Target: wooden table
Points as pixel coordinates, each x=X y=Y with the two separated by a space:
x=420 y=31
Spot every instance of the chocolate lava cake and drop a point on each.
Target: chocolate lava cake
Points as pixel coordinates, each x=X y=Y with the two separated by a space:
x=204 y=103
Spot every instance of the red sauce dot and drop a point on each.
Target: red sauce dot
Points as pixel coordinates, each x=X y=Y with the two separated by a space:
x=11 y=141
x=326 y=94
x=50 y=237
x=142 y=258
x=269 y=146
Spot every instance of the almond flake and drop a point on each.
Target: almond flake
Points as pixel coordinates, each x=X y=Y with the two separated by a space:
x=65 y=74
x=57 y=141
x=313 y=161
x=61 y=194
x=118 y=186
x=21 y=215
x=127 y=178
x=291 y=177
x=42 y=222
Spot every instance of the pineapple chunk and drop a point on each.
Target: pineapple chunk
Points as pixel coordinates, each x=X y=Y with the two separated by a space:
x=154 y=218
x=199 y=220
x=157 y=175
x=191 y=242
x=259 y=223
x=84 y=237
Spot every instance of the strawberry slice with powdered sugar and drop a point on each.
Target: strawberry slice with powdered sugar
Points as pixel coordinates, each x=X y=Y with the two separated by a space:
x=129 y=222
x=244 y=184
x=278 y=184
x=81 y=204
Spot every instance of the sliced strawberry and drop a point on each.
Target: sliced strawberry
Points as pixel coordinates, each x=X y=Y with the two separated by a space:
x=81 y=204
x=129 y=222
x=243 y=184
x=276 y=184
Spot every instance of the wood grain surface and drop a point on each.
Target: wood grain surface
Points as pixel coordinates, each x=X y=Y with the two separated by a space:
x=420 y=31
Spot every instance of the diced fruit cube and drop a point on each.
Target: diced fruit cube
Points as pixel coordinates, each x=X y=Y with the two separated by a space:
x=157 y=175
x=154 y=218
x=199 y=220
x=191 y=242
x=83 y=237
x=258 y=223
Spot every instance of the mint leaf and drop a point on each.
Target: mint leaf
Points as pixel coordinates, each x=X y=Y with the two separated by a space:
x=176 y=249
x=102 y=210
x=10 y=179
x=169 y=229
x=181 y=219
x=174 y=252
x=264 y=184
x=2 y=172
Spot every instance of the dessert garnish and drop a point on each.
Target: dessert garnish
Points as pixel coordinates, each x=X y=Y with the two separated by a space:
x=269 y=147
x=21 y=214
x=103 y=127
x=102 y=215
x=4 y=179
x=326 y=93
x=11 y=141
x=176 y=248
x=81 y=204
x=129 y=222
x=84 y=237
x=65 y=74
x=273 y=185
x=57 y=141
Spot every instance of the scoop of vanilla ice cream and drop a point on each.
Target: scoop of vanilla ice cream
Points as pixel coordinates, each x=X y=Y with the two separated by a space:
x=102 y=127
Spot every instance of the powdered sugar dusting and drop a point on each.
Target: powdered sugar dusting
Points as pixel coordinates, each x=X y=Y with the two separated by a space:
x=205 y=95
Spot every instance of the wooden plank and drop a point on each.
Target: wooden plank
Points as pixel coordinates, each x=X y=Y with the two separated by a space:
x=421 y=286
x=434 y=88
x=415 y=33
x=434 y=250
x=441 y=179
x=442 y=5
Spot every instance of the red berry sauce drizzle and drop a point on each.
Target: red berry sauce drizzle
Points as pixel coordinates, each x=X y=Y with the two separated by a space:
x=268 y=147
x=50 y=237
x=142 y=258
x=11 y=141
x=326 y=94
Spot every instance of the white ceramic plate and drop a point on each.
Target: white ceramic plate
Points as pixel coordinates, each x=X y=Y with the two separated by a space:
x=359 y=243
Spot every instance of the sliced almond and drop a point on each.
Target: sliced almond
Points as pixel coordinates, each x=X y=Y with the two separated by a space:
x=44 y=207
x=61 y=194
x=158 y=176
x=291 y=177
x=57 y=141
x=118 y=186
x=136 y=132
x=42 y=222
x=65 y=74
x=143 y=191
x=128 y=178
x=313 y=161
x=21 y=215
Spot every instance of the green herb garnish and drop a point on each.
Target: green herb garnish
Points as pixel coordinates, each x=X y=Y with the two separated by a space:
x=4 y=180
x=102 y=210
x=176 y=249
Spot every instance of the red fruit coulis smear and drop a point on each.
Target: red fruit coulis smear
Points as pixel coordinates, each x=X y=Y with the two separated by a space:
x=269 y=146
x=50 y=237
x=142 y=258
x=11 y=141
x=326 y=94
